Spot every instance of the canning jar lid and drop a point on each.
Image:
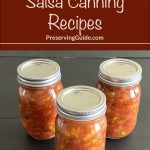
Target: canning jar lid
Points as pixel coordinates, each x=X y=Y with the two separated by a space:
x=38 y=72
x=81 y=103
x=120 y=72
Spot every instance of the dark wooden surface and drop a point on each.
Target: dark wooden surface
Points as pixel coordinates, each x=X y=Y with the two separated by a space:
x=75 y=71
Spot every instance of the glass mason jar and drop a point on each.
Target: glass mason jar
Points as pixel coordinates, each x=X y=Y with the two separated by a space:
x=39 y=84
x=120 y=80
x=81 y=122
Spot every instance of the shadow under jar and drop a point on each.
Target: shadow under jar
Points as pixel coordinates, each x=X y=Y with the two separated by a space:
x=39 y=84
x=120 y=80
x=81 y=122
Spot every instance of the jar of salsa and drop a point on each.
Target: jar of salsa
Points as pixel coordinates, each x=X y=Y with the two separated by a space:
x=120 y=80
x=81 y=122
x=39 y=84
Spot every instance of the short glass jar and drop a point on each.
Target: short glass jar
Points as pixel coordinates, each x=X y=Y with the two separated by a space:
x=81 y=122
x=119 y=79
x=39 y=84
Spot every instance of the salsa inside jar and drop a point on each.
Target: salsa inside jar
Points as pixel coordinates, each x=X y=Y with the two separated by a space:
x=81 y=135
x=81 y=123
x=119 y=79
x=38 y=110
x=39 y=84
x=122 y=108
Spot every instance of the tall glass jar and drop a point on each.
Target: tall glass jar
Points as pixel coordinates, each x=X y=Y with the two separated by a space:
x=39 y=84
x=120 y=80
x=81 y=122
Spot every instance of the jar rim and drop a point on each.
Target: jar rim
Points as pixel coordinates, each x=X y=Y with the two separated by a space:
x=128 y=77
x=67 y=99
x=30 y=73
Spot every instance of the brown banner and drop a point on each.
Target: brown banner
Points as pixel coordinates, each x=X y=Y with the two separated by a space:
x=74 y=24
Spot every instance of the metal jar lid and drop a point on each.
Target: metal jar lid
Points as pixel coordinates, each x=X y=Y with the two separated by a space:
x=81 y=103
x=38 y=73
x=120 y=72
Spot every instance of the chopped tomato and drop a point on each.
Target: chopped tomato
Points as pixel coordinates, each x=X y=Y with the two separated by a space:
x=122 y=108
x=80 y=135
x=38 y=110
